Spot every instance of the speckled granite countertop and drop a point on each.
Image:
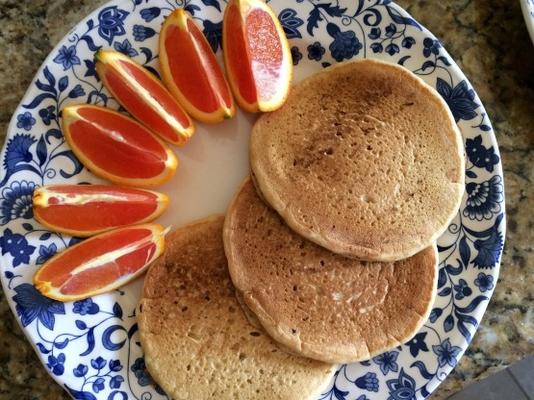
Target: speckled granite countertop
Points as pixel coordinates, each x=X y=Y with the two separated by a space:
x=489 y=41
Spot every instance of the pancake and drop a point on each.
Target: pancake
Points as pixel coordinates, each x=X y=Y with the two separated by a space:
x=198 y=343
x=316 y=303
x=364 y=159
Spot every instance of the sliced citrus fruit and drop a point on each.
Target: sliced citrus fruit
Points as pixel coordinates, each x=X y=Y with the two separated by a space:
x=101 y=263
x=116 y=147
x=191 y=72
x=144 y=96
x=256 y=55
x=86 y=210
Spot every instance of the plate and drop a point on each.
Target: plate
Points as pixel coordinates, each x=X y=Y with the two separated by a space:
x=91 y=347
x=527 y=6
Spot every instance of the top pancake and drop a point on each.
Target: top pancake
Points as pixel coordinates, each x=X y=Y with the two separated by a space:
x=317 y=303
x=364 y=159
x=198 y=344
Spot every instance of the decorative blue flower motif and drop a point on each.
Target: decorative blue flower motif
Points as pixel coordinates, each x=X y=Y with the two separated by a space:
x=98 y=385
x=446 y=353
x=345 y=44
x=392 y=49
x=374 y=33
x=111 y=23
x=55 y=364
x=391 y=29
x=33 y=305
x=368 y=382
x=148 y=14
x=84 y=307
x=377 y=48
x=67 y=57
x=408 y=42
x=98 y=363
x=47 y=114
x=402 y=388
x=316 y=51
x=25 y=121
x=126 y=48
x=296 y=55
x=16 y=201
x=90 y=69
x=489 y=250
x=387 y=361
x=45 y=252
x=484 y=199
x=431 y=46
x=460 y=99
x=76 y=92
x=116 y=382
x=290 y=22
x=462 y=290
x=115 y=365
x=484 y=282
x=417 y=344
x=142 y=33
x=213 y=33
x=479 y=155
x=17 y=246
x=140 y=372
x=80 y=370
x=17 y=150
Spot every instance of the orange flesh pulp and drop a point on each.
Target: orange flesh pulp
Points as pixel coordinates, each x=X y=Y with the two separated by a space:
x=238 y=57
x=136 y=103
x=208 y=84
x=117 y=144
x=58 y=271
x=265 y=52
x=83 y=207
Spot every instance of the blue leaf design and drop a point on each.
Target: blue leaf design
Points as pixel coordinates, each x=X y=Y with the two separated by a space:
x=49 y=77
x=61 y=345
x=213 y=3
x=444 y=60
x=27 y=226
x=191 y=8
x=42 y=349
x=399 y=19
x=290 y=22
x=428 y=64
x=113 y=395
x=90 y=24
x=313 y=20
x=63 y=83
x=147 y=52
x=117 y=310
x=442 y=278
x=106 y=338
x=90 y=43
x=77 y=165
x=80 y=325
x=38 y=100
x=132 y=330
x=485 y=128
x=333 y=11
x=56 y=133
x=90 y=342
x=45 y=236
x=448 y=324
x=435 y=314
x=422 y=368
x=470 y=174
x=465 y=251
x=44 y=87
x=454 y=270
x=403 y=60
x=474 y=304
x=445 y=292
x=80 y=395
x=41 y=150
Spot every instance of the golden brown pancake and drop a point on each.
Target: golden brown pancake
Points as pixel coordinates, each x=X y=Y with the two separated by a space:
x=198 y=343
x=316 y=303
x=364 y=159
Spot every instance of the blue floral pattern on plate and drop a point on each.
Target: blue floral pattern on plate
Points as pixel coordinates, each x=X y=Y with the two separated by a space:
x=91 y=347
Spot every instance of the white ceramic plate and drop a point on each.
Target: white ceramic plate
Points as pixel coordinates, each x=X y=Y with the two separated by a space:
x=527 y=6
x=91 y=347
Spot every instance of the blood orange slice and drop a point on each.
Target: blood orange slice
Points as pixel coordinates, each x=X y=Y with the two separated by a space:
x=256 y=55
x=86 y=210
x=101 y=263
x=144 y=96
x=116 y=147
x=191 y=72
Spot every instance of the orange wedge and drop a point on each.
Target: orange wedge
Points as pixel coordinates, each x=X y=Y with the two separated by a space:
x=144 y=96
x=86 y=210
x=256 y=55
x=101 y=263
x=116 y=147
x=191 y=72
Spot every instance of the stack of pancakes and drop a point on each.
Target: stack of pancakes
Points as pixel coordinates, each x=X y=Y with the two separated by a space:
x=326 y=255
